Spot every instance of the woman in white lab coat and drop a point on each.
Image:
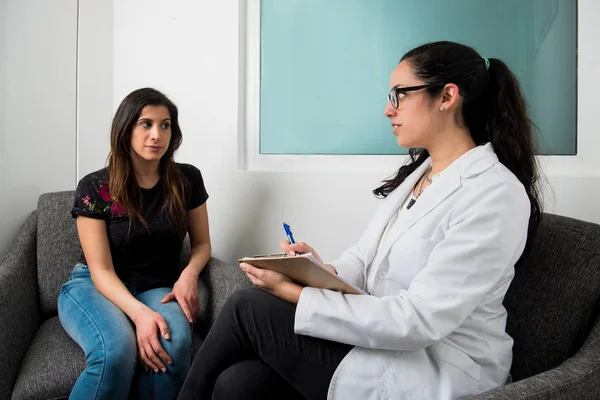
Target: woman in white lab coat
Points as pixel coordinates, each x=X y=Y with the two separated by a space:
x=437 y=259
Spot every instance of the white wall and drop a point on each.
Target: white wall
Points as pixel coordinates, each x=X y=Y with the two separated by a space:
x=37 y=105
x=189 y=49
x=94 y=84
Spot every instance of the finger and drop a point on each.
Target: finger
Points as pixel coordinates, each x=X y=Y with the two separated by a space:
x=255 y=281
x=251 y=269
x=285 y=246
x=186 y=310
x=160 y=352
x=147 y=357
x=245 y=267
x=164 y=329
x=300 y=247
x=168 y=297
x=331 y=268
x=151 y=353
x=143 y=358
x=249 y=276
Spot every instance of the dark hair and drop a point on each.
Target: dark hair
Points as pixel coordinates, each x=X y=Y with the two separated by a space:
x=122 y=182
x=493 y=109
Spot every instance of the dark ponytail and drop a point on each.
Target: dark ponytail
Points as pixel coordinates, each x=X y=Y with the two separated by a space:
x=493 y=109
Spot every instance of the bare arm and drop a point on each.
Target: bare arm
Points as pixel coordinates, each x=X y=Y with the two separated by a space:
x=185 y=290
x=94 y=241
x=199 y=240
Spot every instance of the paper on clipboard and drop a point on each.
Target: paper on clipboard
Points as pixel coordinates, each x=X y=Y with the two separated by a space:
x=304 y=269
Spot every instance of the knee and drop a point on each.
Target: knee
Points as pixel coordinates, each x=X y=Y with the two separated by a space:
x=245 y=298
x=228 y=388
x=116 y=354
x=179 y=346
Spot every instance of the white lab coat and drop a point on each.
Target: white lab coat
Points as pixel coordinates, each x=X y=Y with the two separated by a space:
x=434 y=326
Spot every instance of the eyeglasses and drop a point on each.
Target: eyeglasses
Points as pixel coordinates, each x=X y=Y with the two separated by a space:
x=398 y=93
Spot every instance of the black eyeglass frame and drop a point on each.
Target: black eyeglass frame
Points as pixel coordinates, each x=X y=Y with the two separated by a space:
x=396 y=91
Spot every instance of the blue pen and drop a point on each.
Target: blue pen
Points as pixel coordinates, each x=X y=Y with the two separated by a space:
x=288 y=232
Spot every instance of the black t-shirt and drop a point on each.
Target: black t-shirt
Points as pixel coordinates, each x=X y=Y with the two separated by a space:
x=144 y=258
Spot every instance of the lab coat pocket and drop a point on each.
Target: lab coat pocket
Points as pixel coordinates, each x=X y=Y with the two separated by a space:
x=410 y=376
x=439 y=372
x=458 y=369
x=408 y=256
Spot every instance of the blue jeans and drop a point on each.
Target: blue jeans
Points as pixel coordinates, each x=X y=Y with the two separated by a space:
x=107 y=337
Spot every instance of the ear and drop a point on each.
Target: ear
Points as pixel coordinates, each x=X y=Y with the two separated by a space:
x=450 y=95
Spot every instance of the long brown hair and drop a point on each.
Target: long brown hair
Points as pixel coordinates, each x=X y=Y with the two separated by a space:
x=122 y=182
x=493 y=109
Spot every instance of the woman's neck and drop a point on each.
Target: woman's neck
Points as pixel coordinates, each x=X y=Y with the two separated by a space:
x=147 y=173
x=445 y=151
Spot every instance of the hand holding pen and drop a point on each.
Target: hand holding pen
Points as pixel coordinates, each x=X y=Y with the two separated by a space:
x=291 y=247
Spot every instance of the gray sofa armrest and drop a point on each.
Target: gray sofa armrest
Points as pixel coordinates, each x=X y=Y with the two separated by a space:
x=576 y=378
x=222 y=280
x=19 y=313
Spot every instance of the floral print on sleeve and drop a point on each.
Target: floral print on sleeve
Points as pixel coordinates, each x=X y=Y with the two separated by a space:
x=94 y=200
x=94 y=207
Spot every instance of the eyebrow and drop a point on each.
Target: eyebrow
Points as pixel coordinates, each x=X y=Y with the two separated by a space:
x=150 y=119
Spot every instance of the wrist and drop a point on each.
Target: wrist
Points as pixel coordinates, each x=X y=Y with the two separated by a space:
x=191 y=272
x=291 y=292
x=138 y=312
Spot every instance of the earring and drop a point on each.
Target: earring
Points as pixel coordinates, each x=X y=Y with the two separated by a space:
x=442 y=108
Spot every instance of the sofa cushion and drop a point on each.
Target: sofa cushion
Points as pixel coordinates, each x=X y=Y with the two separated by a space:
x=554 y=298
x=58 y=247
x=53 y=363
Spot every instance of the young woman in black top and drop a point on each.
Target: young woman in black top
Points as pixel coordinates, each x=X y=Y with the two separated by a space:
x=126 y=302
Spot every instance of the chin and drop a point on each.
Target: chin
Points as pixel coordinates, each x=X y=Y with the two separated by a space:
x=152 y=157
x=402 y=142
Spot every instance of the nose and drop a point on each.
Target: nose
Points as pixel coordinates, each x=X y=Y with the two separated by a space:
x=389 y=111
x=155 y=132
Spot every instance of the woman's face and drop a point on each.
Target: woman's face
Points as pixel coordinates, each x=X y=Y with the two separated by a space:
x=414 y=121
x=151 y=134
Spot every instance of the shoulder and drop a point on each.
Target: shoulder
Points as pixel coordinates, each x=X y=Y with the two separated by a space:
x=497 y=176
x=92 y=197
x=192 y=173
x=95 y=179
x=196 y=191
x=497 y=186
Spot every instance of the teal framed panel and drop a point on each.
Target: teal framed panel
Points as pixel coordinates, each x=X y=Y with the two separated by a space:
x=325 y=66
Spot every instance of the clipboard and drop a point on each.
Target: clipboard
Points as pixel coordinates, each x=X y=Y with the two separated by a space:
x=304 y=269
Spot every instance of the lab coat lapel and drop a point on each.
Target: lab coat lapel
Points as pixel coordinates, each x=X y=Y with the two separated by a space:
x=436 y=193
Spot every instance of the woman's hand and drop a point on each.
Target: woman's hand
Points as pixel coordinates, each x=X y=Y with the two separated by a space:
x=185 y=292
x=301 y=248
x=148 y=325
x=273 y=282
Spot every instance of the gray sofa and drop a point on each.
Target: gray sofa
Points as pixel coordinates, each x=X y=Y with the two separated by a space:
x=40 y=360
x=553 y=306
